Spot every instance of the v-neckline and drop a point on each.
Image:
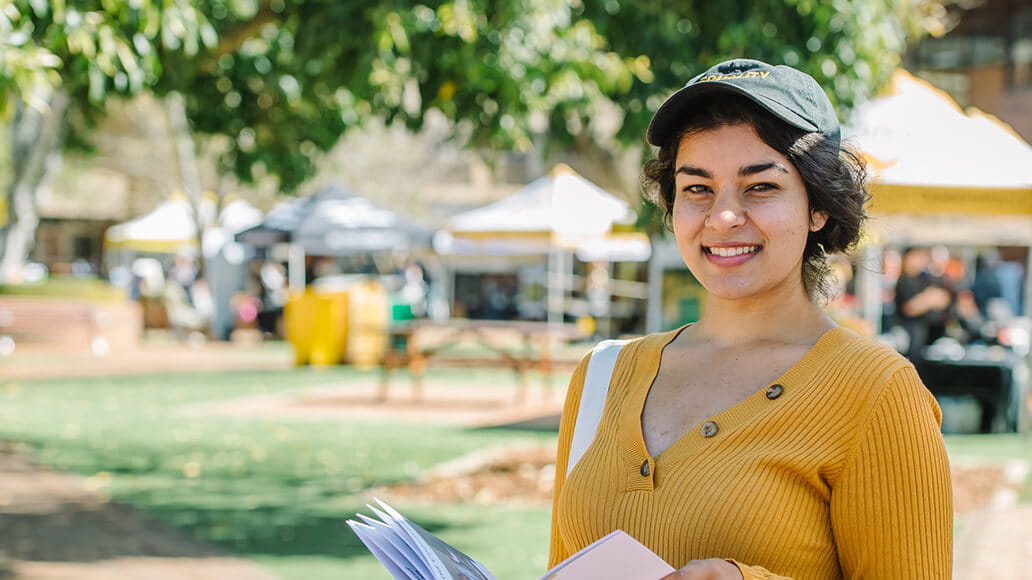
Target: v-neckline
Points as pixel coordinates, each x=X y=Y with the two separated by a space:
x=731 y=417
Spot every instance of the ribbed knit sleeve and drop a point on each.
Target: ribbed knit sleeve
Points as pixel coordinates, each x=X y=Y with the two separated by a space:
x=557 y=552
x=891 y=508
x=756 y=572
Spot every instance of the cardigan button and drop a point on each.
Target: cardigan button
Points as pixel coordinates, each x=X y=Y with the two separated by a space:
x=709 y=429
x=645 y=469
x=774 y=391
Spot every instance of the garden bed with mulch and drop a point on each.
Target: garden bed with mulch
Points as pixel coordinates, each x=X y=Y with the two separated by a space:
x=527 y=475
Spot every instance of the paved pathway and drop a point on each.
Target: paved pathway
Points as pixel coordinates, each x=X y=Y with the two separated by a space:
x=40 y=362
x=996 y=544
x=996 y=541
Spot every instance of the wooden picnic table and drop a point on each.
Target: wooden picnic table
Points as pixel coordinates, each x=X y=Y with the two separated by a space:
x=519 y=345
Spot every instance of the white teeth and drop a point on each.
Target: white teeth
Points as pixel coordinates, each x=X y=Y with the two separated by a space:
x=737 y=251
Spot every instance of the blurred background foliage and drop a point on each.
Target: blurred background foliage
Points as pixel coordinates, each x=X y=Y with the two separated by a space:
x=279 y=81
x=267 y=87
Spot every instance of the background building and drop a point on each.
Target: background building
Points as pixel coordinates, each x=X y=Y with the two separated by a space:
x=985 y=61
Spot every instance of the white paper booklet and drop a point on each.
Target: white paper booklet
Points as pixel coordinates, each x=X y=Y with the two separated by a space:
x=615 y=556
x=409 y=552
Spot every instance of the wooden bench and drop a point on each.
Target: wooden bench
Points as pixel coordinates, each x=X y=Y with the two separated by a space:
x=521 y=346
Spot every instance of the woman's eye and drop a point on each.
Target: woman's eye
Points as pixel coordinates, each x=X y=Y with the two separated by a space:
x=695 y=189
x=764 y=187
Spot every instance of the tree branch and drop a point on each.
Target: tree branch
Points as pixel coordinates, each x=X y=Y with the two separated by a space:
x=232 y=40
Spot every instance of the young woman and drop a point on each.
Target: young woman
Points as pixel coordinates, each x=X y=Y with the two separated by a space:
x=762 y=441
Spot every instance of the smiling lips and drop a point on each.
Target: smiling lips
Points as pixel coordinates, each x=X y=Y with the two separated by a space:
x=731 y=252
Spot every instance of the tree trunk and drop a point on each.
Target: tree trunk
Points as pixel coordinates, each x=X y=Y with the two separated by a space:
x=36 y=146
x=186 y=154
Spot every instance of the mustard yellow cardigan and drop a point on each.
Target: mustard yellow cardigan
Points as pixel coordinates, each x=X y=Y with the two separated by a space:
x=835 y=470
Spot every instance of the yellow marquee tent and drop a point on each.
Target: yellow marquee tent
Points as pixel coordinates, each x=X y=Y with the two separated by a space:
x=939 y=172
x=939 y=175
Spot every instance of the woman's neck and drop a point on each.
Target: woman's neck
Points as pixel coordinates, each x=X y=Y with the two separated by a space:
x=797 y=321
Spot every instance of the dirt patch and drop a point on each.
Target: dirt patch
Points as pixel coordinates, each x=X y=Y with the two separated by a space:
x=527 y=475
x=524 y=475
x=975 y=486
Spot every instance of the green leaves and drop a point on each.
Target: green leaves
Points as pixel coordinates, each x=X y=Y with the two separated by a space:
x=93 y=48
x=284 y=79
x=26 y=69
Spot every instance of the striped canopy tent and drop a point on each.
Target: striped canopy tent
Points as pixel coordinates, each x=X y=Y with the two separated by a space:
x=334 y=221
x=278 y=225
x=940 y=174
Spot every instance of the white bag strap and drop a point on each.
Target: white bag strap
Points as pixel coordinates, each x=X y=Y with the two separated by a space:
x=593 y=397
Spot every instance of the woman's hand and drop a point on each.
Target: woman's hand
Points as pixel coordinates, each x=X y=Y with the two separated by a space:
x=710 y=569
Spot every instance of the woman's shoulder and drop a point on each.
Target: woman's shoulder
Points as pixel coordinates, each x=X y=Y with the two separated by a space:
x=849 y=348
x=879 y=368
x=642 y=344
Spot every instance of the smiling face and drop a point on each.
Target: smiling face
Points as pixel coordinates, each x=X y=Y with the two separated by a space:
x=740 y=215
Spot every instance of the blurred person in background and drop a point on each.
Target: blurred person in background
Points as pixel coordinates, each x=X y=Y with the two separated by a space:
x=764 y=440
x=184 y=273
x=924 y=300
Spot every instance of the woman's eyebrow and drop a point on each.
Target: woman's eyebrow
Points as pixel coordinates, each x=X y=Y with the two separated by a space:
x=761 y=167
x=747 y=170
x=696 y=171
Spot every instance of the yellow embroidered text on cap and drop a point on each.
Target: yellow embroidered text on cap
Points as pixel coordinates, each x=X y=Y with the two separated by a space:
x=755 y=74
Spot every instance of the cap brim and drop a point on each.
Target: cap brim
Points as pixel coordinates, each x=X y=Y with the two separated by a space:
x=664 y=122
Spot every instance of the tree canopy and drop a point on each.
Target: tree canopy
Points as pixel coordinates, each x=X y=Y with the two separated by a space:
x=289 y=77
x=281 y=80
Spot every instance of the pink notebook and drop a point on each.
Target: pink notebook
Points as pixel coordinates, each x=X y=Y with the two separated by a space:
x=616 y=556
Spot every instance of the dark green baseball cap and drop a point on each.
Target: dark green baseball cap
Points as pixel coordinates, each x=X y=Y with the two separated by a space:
x=787 y=93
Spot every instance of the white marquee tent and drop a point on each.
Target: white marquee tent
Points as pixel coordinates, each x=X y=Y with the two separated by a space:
x=561 y=203
x=168 y=228
x=171 y=227
x=558 y=215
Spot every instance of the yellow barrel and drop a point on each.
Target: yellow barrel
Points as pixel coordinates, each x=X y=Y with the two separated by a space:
x=346 y=325
x=329 y=334
x=298 y=323
x=368 y=314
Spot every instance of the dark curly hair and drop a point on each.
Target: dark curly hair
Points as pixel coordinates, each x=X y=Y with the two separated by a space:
x=833 y=173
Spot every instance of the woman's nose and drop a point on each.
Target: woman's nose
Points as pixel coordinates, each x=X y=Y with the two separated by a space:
x=725 y=218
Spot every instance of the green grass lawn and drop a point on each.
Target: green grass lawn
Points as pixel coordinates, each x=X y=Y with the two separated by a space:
x=277 y=491
x=87 y=288
x=996 y=448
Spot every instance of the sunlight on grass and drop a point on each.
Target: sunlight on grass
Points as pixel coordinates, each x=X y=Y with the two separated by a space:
x=991 y=447
x=274 y=490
